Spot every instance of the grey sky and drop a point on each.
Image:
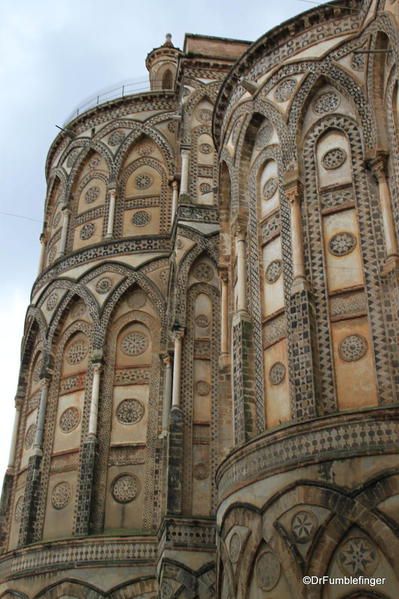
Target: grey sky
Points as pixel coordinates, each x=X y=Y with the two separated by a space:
x=53 y=54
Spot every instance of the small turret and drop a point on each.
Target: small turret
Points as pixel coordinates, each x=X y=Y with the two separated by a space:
x=162 y=65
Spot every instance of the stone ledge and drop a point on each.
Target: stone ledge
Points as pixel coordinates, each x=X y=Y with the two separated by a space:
x=95 y=551
x=344 y=435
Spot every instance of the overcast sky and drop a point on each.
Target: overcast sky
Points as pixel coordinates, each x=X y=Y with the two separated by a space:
x=54 y=54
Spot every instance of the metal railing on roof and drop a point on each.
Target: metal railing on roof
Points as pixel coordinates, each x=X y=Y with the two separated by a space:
x=119 y=90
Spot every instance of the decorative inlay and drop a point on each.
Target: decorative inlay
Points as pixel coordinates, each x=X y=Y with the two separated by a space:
x=202 y=320
x=303 y=525
x=264 y=135
x=179 y=243
x=30 y=436
x=52 y=254
x=358 y=62
x=284 y=90
x=134 y=344
x=69 y=419
x=136 y=299
x=270 y=188
x=267 y=571
x=202 y=388
x=92 y=194
x=235 y=547
x=130 y=411
x=353 y=348
x=273 y=271
x=145 y=149
x=172 y=126
x=94 y=162
x=200 y=471
x=203 y=272
x=104 y=285
x=87 y=231
x=116 y=138
x=205 y=148
x=205 y=188
x=36 y=371
x=204 y=115
x=56 y=219
x=358 y=557
x=61 y=495
x=342 y=244
x=72 y=157
x=333 y=159
x=143 y=181
x=52 y=302
x=141 y=218
x=277 y=373
x=125 y=488
x=327 y=102
x=19 y=509
x=166 y=590
x=77 y=352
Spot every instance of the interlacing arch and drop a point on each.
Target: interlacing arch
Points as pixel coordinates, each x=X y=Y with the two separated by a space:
x=140 y=131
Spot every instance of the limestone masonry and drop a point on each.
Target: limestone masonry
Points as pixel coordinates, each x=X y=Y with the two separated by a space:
x=208 y=398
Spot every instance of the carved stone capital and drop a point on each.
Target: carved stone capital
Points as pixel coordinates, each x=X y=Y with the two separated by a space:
x=177 y=333
x=43 y=238
x=239 y=226
x=378 y=166
x=293 y=186
x=223 y=273
x=167 y=360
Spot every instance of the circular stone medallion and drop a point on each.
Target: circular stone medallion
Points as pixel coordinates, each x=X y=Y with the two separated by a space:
x=136 y=300
x=202 y=387
x=56 y=219
x=130 y=411
x=264 y=135
x=94 y=162
x=92 y=194
x=143 y=181
x=141 y=218
x=202 y=321
x=358 y=557
x=30 y=436
x=342 y=244
x=235 y=547
x=203 y=272
x=267 y=571
x=333 y=159
x=200 y=471
x=61 y=495
x=69 y=419
x=204 y=115
x=277 y=373
x=284 y=90
x=273 y=271
x=104 y=285
x=145 y=149
x=353 y=348
x=134 y=344
x=327 y=102
x=116 y=138
x=77 y=352
x=270 y=188
x=125 y=488
x=303 y=526
x=205 y=188
x=205 y=148
x=87 y=231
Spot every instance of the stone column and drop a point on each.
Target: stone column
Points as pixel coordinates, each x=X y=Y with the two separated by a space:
x=224 y=317
x=38 y=443
x=379 y=169
x=66 y=212
x=294 y=191
x=167 y=392
x=185 y=159
x=239 y=227
x=42 y=252
x=95 y=393
x=111 y=214
x=174 y=200
x=17 y=417
x=178 y=339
